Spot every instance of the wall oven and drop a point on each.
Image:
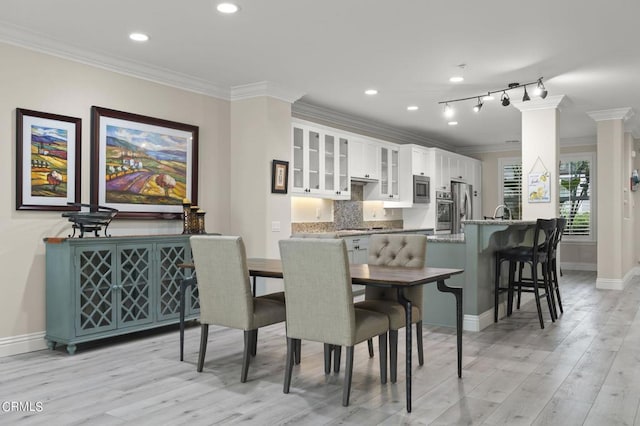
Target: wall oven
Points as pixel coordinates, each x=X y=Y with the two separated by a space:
x=444 y=211
x=421 y=189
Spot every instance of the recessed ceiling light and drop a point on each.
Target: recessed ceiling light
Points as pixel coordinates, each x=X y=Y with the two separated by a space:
x=412 y=108
x=138 y=37
x=227 y=8
x=452 y=123
x=371 y=92
x=456 y=79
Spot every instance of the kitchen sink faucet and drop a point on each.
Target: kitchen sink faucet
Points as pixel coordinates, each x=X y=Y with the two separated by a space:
x=505 y=209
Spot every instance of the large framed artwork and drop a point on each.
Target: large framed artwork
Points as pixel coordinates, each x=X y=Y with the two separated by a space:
x=143 y=166
x=47 y=161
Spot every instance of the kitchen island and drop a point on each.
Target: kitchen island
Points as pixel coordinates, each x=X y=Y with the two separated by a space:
x=472 y=251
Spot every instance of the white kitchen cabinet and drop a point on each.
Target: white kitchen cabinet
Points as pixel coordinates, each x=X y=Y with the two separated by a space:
x=442 y=177
x=363 y=157
x=358 y=252
x=420 y=161
x=320 y=162
x=389 y=169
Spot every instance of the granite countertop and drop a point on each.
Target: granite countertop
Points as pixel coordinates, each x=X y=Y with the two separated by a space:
x=356 y=232
x=446 y=238
x=499 y=222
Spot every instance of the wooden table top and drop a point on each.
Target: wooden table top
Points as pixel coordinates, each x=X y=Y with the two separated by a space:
x=384 y=276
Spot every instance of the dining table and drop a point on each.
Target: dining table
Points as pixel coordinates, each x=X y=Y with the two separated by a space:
x=399 y=278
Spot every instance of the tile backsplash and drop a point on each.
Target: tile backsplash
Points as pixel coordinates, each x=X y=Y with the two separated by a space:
x=346 y=215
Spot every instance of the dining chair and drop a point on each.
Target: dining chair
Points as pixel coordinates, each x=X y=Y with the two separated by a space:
x=401 y=250
x=535 y=255
x=561 y=224
x=225 y=294
x=320 y=307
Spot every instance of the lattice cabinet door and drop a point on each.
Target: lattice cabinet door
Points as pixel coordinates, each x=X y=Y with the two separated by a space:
x=134 y=285
x=170 y=255
x=96 y=292
x=193 y=301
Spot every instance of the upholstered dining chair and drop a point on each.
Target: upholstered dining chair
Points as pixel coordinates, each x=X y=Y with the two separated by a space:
x=320 y=308
x=402 y=250
x=225 y=294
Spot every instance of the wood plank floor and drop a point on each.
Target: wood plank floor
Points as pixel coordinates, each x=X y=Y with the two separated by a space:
x=584 y=369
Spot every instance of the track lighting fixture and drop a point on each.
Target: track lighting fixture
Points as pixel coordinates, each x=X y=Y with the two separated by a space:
x=505 y=99
x=478 y=106
x=539 y=90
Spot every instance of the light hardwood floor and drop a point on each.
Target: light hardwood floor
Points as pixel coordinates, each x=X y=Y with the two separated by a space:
x=584 y=369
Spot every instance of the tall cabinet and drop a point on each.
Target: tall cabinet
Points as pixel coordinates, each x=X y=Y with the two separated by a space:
x=103 y=287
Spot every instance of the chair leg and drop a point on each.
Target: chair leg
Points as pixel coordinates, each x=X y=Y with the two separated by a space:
x=327 y=358
x=348 y=371
x=297 y=353
x=496 y=296
x=254 y=343
x=512 y=283
x=520 y=269
x=548 y=289
x=204 y=336
x=419 y=343
x=370 y=345
x=288 y=368
x=382 y=347
x=536 y=293
x=393 y=355
x=337 y=350
x=249 y=337
x=556 y=284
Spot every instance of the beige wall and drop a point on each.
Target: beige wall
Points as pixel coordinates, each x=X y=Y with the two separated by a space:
x=578 y=255
x=44 y=83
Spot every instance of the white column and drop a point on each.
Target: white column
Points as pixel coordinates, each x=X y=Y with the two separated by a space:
x=540 y=152
x=612 y=192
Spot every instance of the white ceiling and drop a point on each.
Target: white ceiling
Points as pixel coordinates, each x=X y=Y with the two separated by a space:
x=332 y=50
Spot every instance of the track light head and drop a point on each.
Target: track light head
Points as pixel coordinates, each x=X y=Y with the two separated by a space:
x=542 y=91
x=505 y=99
x=448 y=111
x=526 y=97
x=478 y=106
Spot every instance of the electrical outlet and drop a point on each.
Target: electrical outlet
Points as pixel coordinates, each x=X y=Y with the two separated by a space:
x=275 y=226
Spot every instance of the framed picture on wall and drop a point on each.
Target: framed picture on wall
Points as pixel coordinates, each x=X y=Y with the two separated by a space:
x=143 y=166
x=279 y=177
x=47 y=161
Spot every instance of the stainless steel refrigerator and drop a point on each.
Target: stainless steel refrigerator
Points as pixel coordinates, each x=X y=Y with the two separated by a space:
x=462 y=195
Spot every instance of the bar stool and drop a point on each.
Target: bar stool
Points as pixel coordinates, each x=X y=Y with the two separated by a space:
x=537 y=254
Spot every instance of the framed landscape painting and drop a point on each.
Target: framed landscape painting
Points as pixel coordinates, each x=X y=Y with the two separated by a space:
x=143 y=166
x=47 y=161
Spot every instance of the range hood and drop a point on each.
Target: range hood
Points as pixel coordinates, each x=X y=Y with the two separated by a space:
x=362 y=180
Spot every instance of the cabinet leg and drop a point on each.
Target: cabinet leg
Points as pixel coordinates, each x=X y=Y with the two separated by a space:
x=51 y=345
x=71 y=349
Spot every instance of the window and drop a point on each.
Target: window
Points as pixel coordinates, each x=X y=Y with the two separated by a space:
x=510 y=170
x=576 y=195
x=576 y=192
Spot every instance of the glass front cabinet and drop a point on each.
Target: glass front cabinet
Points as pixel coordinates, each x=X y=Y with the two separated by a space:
x=320 y=162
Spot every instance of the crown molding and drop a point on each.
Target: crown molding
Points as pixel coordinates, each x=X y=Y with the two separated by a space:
x=27 y=39
x=612 y=114
x=550 y=102
x=505 y=147
x=359 y=125
x=265 y=88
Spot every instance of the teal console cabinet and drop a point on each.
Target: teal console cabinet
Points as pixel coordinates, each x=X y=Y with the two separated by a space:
x=103 y=287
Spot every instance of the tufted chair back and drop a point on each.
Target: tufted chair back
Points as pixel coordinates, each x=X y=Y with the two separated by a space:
x=406 y=250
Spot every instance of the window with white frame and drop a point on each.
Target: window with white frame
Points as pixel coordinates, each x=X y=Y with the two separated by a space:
x=576 y=192
x=576 y=195
x=510 y=175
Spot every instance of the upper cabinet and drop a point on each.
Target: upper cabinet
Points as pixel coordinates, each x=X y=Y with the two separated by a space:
x=363 y=157
x=320 y=162
x=420 y=161
x=388 y=187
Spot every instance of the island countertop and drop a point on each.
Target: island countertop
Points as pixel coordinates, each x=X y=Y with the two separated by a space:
x=498 y=222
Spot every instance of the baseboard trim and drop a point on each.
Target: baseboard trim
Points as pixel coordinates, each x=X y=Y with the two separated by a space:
x=617 y=284
x=577 y=266
x=24 y=343
x=485 y=319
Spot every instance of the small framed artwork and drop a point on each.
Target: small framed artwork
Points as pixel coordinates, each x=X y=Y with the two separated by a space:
x=47 y=161
x=279 y=177
x=142 y=166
